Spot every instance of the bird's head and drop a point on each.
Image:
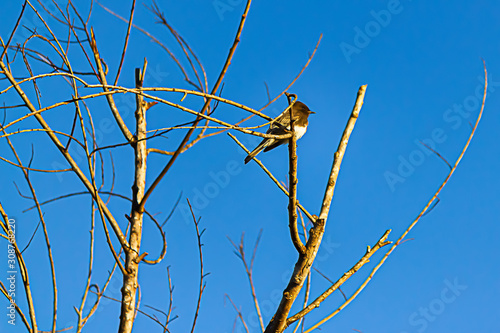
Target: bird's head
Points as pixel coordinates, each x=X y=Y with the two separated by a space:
x=301 y=107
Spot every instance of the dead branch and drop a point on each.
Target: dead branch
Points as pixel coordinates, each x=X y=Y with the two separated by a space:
x=292 y=196
x=305 y=261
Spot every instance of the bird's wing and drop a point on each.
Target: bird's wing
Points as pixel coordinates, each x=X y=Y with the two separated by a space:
x=283 y=121
x=277 y=129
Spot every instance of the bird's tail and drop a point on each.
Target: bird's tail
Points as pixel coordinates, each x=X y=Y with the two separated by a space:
x=264 y=143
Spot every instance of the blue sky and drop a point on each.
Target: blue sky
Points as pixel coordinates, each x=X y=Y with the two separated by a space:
x=422 y=64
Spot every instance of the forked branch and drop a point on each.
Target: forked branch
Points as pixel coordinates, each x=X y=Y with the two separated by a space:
x=304 y=263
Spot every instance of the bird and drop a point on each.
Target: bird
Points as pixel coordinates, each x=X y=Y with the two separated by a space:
x=281 y=125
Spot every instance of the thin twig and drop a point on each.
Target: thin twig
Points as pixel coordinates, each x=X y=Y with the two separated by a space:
x=239 y=313
x=437 y=154
x=172 y=210
x=240 y=251
x=126 y=42
x=19 y=17
x=329 y=280
x=170 y=298
x=202 y=275
x=81 y=322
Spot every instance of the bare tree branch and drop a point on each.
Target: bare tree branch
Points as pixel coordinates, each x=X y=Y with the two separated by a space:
x=305 y=261
x=292 y=196
x=132 y=256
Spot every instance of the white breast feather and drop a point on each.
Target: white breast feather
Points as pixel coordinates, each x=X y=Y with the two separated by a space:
x=300 y=131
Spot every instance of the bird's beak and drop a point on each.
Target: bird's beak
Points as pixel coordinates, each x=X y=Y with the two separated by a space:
x=312 y=112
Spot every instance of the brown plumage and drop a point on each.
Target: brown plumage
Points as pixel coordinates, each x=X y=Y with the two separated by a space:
x=280 y=125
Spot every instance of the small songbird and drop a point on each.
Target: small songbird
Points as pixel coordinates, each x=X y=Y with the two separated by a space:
x=280 y=125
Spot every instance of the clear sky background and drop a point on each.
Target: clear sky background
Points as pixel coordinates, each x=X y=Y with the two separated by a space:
x=422 y=64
